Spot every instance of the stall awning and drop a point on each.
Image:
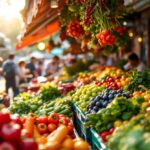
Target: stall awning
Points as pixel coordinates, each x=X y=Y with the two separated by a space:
x=40 y=21
x=39 y=35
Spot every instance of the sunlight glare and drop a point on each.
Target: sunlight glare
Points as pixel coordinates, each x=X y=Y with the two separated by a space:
x=12 y=10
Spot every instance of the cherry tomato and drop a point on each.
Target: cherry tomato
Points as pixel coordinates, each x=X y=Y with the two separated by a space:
x=104 y=135
x=42 y=119
x=63 y=121
x=70 y=127
x=53 y=118
x=52 y=127
x=42 y=128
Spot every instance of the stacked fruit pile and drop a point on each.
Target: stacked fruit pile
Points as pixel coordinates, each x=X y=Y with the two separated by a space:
x=114 y=82
x=121 y=109
x=106 y=38
x=11 y=134
x=104 y=99
x=53 y=132
x=83 y=95
x=75 y=30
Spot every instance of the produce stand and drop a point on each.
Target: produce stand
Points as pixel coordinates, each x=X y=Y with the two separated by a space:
x=79 y=108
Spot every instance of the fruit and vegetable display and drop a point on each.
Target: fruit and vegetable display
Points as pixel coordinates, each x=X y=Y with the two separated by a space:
x=139 y=79
x=133 y=135
x=82 y=96
x=102 y=100
x=53 y=132
x=121 y=109
x=12 y=138
x=27 y=103
x=114 y=82
x=48 y=92
x=114 y=105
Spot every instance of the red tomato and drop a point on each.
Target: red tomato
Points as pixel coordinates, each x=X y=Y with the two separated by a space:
x=4 y=117
x=63 y=121
x=104 y=135
x=23 y=120
x=53 y=118
x=11 y=132
x=68 y=120
x=62 y=115
x=52 y=127
x=42 y=119
x=42 y=128
x=70 y=127
x=7 y=146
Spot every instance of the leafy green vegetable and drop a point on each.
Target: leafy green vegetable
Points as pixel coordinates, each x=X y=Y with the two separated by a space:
x=48 y=92
x=139 y=79
x=134 y=135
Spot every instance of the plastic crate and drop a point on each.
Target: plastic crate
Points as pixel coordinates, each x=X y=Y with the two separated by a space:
x=90 y=135
x=79 y=120
x=97 y=143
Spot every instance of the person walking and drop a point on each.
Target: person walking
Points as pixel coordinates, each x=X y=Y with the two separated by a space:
x=10 y=71
x=32 y=68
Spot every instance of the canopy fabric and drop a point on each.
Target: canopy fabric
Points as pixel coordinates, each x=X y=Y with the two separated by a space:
x=39 y=35
x=40 y=21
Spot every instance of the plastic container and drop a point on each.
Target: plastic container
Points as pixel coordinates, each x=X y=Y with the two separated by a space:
x=79 y=120
x=97 y=142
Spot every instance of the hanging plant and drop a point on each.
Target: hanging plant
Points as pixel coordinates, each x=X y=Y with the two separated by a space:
x=100 y=18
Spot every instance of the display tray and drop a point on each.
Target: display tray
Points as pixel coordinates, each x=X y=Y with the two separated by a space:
x=90 y=135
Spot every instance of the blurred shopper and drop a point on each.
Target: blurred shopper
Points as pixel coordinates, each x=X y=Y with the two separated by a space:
x=53 y=66
x=10 y=71
x=39 y=69
x=32 y=68
x=23 y=72
x=133 y=62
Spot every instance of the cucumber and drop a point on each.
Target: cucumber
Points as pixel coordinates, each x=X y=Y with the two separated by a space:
x=50 y=104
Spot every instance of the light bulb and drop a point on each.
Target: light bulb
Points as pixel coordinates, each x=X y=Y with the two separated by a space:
x=54 y=3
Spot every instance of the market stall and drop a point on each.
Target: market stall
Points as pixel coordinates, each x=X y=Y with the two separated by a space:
x=85 y=106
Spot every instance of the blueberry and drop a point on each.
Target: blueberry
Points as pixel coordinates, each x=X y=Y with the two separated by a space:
x=99 y=104
x=111 y=96
x=126 y=95
x=97 y=98
x=95 y=108
x=104 y=103
x=118 y=95
x=105 y=97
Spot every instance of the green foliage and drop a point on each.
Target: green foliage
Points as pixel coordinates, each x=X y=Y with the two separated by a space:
x=79 y=66
x=121 y=108
x=139 y=79
x=134 y=135
x=48 y=92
